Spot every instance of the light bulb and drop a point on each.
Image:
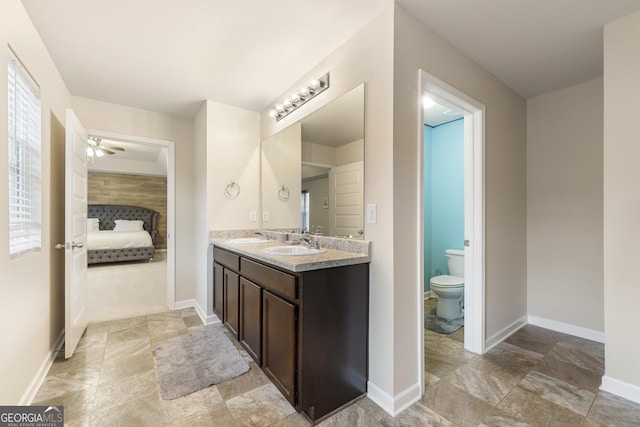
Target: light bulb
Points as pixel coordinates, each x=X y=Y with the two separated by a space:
x=295 y=98
x=90 y=152
x=428 y=102
x=279 y=108
x=314 y=84
x=273 y=113
x=304 y=92
x=99 y=153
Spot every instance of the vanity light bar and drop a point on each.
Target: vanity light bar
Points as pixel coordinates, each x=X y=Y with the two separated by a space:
x=305 y=94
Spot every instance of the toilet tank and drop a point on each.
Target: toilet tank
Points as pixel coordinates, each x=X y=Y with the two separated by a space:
x=455 y=262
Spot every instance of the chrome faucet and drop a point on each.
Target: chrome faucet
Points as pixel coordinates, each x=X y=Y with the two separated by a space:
x=257 y=233
x=311 y=243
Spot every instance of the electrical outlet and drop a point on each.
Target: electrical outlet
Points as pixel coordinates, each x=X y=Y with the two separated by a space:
x=265 y=216
x=253 y=216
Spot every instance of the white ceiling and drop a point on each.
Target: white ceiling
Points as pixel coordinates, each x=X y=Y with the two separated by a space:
x=338 y=123
x=168 y=55
x=134 y=150
x=534 y=46
x=437 y=115
x=137 y=158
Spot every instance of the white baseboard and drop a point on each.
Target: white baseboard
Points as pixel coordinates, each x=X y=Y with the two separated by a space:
x=207 y=320
x=620 y=388
x=393 y=405
x=36 y=383
x=505 y=333
x=179 y=305
x=567 y=328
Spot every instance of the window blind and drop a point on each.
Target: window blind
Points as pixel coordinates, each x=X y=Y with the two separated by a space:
x=24 y=120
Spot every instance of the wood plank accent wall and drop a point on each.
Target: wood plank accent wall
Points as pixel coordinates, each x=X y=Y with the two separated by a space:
x=135 y=190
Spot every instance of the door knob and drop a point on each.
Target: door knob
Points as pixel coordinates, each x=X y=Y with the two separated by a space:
x=78 y=245
x=59 y=246
x=466 y=242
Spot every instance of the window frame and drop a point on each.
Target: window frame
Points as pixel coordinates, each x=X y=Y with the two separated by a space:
x=24 y=143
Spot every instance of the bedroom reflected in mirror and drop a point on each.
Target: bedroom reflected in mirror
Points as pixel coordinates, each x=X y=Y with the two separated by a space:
x=320 y=159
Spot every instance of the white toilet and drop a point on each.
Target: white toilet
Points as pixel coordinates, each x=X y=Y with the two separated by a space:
x=450 y=288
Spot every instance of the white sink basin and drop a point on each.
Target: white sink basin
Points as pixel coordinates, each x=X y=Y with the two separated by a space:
x=293 y=250
x=248 y=240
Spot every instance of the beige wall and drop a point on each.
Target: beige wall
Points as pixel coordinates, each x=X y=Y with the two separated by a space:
x=32 y=303
x=135 y=190
x=111 y=118
x=280 y=164
x=564 y=208
x=317 y=153
x=227 y=149
x=621 y=206
x=318 y=189
x=417 y=47
x=350 y=153
x=366 y=57
x=391 y=176
x=203 y=274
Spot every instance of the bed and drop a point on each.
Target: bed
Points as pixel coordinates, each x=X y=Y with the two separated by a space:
x=118 y=233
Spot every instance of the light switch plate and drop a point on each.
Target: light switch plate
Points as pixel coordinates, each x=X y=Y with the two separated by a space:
x=372 y=214
x=253 y=216
x=265 y=215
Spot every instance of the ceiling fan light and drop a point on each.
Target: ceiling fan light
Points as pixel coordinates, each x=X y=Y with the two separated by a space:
x=99 y=153
x=90 y=152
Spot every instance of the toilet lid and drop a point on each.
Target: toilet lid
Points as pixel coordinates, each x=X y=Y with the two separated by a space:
x=446 y=280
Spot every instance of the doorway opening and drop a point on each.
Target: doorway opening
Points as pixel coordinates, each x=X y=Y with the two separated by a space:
x=145 y=168
x=467 y=114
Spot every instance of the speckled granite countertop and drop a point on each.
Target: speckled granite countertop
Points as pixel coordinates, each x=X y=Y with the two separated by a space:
x=357 y=252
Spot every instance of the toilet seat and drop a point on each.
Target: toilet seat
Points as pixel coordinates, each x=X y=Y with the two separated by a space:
x=447 y=281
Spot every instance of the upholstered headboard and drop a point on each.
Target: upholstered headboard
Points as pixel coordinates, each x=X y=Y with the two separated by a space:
x=108 y=214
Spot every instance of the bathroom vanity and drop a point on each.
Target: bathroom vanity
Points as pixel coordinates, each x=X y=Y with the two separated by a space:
x=303 y=320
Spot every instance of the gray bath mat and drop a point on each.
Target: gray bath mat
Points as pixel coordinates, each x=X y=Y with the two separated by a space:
x=194 y=361
x=440 y=325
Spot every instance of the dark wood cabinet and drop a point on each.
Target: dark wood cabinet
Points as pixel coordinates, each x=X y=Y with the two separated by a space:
x=218 y=286
x=308 y=331
x=231 y=301
x=279 y=343
x=251 y=319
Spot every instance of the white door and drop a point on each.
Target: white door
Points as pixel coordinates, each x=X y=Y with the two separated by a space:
x=346 y=188
x=75 y=232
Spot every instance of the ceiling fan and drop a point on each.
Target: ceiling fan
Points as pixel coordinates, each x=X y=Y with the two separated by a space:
x=96 y=149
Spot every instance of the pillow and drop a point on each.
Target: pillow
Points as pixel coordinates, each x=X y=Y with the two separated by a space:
x=93 y=224
x=129 y=225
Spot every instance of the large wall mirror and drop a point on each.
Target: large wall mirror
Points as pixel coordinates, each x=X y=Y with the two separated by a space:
x=313 y=171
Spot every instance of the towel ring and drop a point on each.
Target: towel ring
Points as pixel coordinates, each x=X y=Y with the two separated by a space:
x=232 y=191
x=283 y=193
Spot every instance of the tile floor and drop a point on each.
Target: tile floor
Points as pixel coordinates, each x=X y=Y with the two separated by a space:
x=536 y=378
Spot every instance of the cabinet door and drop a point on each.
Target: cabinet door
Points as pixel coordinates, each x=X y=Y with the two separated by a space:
x=218 y=287
x=279 y=343
x=251 y=318
x=230 y=311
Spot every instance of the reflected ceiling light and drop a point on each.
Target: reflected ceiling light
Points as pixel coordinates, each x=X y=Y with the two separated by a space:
x=428 y=102
x=305 y=94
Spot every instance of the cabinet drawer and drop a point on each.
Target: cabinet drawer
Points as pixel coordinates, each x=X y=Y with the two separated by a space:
x=227 y=259
x=278 y=281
